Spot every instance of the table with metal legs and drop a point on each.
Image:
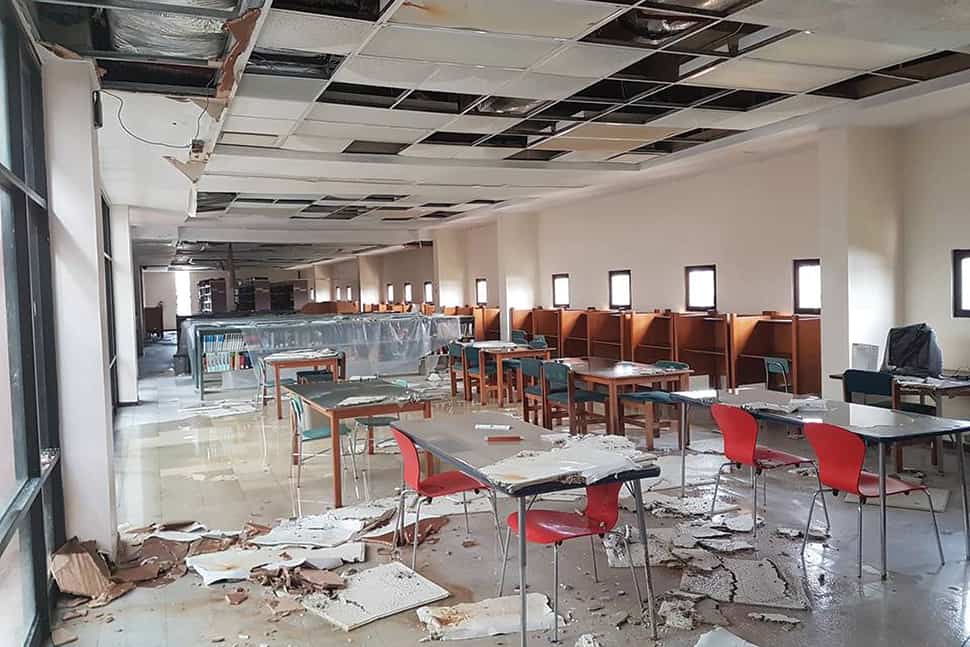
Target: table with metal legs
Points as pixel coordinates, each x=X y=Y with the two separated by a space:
x=875 y=425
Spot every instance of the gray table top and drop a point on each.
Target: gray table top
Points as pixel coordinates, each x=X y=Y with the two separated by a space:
x=614 y=369
x=875 y=424
x=456 y=440
x=329 y=395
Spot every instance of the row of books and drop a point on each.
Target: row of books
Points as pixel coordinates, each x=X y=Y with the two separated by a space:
x=221 y=361
x=231 y=342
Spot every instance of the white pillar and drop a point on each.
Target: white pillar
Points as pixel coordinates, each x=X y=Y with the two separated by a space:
x=369 y=271
x=80 y=313
x=518 y=264
x=449 y=267
x=123 y=277
x=860 y=214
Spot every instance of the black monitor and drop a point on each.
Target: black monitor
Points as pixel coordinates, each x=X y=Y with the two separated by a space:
x=913 y=350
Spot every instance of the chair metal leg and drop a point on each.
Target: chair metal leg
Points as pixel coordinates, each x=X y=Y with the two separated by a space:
x=936 y=527
x=860 y=538
x=592 y=556
x=808 y=523
x=633 y=570
x=464 y=503
x=717 y=484
x=754 y=514
x=555 y=596
x=498 y=524
x=399 y=523
x=353 y=454
x=505 y=560
x=416 y=532
x=825 y=508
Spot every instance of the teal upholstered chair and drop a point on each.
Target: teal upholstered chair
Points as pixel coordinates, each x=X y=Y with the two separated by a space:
x=642 y=403
x=456 y=369
x=562 y=392
x=533 y=397
x=781 y=367
x=302 y=433
x=519 y=337
x=314 y=377
x=480 y=377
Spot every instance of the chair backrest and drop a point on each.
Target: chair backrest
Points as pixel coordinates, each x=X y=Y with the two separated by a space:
x=539 y=341
x=856 y=381
x=666 y=363
x=602 y=504
x=296 y=408
x=454 y=349
x=740 y=431
x=531 y=367
x=777 y=366
x=519 y=337
x=471 y=356
x=308 y=377
x=840 y=455
x=555 y=374
x=409 y=455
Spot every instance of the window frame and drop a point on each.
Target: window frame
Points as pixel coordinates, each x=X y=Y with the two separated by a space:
x=350 y=293
x=687 y=272
x=408 y=293
x=560 y=275
x=629 y=275
x=338 y=292
x=479 y=282
x=389 y=293
x=797 y=264
x=959 y=255
x=429 y=292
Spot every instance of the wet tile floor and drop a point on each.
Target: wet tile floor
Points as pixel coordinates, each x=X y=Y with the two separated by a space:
x=226 y=471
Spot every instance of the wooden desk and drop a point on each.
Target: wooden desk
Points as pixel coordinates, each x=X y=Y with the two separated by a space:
x=614 y=375
x=334 y=362
x=503 y=353
x=326 y=398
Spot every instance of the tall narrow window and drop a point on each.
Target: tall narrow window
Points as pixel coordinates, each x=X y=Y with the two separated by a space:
x=701 y=282
x=408 y=293
x=620 y=292
x=560 y=290
x=350 y=293
x=961 y=283
x=340 y=292
x=808 y=286
x=481 y=292
x=428 y=292
x=390 y=293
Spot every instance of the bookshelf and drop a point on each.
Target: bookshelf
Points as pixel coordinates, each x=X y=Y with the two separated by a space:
x=651 y=337
x=219 y=351
x=607 y=333
x=253 y=295
x=212 y=295
x=796 y=338
x=703 y=340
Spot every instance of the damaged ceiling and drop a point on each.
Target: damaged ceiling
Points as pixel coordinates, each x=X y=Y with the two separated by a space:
x=378 y=115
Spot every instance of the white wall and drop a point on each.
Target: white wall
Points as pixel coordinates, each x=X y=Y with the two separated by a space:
x=414 y=266
x=160 y=287
x=751 y=220
x=449 y=267
x=481 y=261
x=123 y=285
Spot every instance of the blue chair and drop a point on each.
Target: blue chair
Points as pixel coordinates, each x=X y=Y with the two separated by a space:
x=642 y=402
x=562 y=392
x=878 y=389
x=303 y=434
x=456 y=369
x=481 y=377
x=519 y=337
x=533 y=398
x=778 y=366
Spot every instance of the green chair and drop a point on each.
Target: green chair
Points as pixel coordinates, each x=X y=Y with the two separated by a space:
x=642 y=402
x=778 y=366
x=303 y=434
x=519 y=337
x=482 y=378
x=370 y=423
x=562 y=392
x=533 y=398
x=314 y=377
x=455 y=366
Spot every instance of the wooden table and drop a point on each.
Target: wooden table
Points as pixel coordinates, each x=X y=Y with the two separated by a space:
x=326 y=399
x=875 y=425
x=460 y=441
x=617 y=374
x=334 y=362
x=502 y=353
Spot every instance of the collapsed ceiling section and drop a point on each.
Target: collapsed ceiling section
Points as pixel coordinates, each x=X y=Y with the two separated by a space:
x=201 y=255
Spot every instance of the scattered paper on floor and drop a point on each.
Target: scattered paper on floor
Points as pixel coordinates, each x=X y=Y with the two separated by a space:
x=721 y=637
x=236 y=563
x=373 y=594
x=493 y=617
x=316 y=530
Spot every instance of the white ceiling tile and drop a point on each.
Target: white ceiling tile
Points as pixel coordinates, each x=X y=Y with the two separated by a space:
x=468 y=79
x=307 y=32
x=478 y=124
x=580 y=144
x=766 y=75
x=693 y=118
x=355 y=131
x=455 y=46
x=258 y=125
x=803 y=104
x=269 y=108
x=280 y=88
x=586 y=60
x=484 y=152
x=247 y=139
x=616 y=131
x=316 y=144
x=388 y=72
x=585 y=156
x=377 y=116
x=634 y=158
x=753 y=119
x=818 y=49
x=440 y=151
x=558 y=18
x=544 y=86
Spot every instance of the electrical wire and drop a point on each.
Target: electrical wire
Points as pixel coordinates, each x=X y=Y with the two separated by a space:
x=121 y=122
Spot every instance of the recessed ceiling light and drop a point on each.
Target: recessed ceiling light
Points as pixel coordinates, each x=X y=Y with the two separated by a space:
x=808 y=31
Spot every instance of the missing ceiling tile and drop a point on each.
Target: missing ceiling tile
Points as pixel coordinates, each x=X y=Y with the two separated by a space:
x=383 y=197
x=361 y=146
x=614 y=91
x=438 y=205
x=705 y=134
x=440 y=214
x=681 y=96
x=930 y=67
x=360 y=95
x=579 y=111
x=506 y=141
x=293 y=64
x=206 y=201
x=862 y=86
x=634 y=114
x=743 y=100
x=360 y=9
x=718 y=8
x=666 y=68
x=428 y=101
x=507 y=106
x=731 y=38
x=646 y=28
x=451 y=138
x=534 y=155
x=485 y=201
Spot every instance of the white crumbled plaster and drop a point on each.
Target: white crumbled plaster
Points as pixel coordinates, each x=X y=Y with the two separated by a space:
x=755 y=582
x=721 y=637
x=492 y=617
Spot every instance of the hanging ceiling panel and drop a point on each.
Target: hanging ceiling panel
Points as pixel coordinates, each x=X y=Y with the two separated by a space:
x=304 y=32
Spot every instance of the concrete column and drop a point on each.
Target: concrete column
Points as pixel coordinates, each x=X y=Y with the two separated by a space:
x=860 y=214
x=124 y=277
x=369 y=271
x=518 y=264
x=449 y=267
x=80 y=312
x=323 y=287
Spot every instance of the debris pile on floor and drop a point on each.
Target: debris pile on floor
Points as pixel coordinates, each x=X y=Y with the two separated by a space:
x=721 y=637
x=492 y=617
x=757 y=582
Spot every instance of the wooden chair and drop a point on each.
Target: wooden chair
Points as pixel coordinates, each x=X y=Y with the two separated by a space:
x=560 y=390
x=533 y=400
x=484 y=378
x=643 y=403
x=456 y=370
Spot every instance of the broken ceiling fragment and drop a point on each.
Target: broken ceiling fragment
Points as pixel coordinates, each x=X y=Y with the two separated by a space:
x=757 y=582
x=493 y=617
x=721 y=637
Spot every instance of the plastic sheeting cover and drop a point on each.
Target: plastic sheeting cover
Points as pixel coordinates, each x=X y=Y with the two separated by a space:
x=169 y=34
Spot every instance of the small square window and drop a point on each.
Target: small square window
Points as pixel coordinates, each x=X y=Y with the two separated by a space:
x=808 y=286
x=350 y=293
x=560 y=290
x=408 y=293
x=620 y=292
x=428 y=292
x=481 y=292
x=961 y=283
x=339 y=292
x=390 y=293
x=701 y=282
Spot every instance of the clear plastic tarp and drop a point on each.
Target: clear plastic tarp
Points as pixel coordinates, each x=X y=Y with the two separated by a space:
x=374 y=344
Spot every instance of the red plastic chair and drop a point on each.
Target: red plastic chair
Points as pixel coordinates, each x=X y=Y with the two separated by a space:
x=553 y=527
x=436 y=485
x=841 y=455
x=740 y=431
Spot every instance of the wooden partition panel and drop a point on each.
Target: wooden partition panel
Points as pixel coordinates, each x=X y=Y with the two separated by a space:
x=521 y=320
x=549 y=324
x=650 y=337
x=607 y=332
x=703 y=341
x=808 y=354
x=575 y=338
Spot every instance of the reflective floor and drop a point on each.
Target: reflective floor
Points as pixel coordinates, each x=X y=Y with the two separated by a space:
x=226 y=471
